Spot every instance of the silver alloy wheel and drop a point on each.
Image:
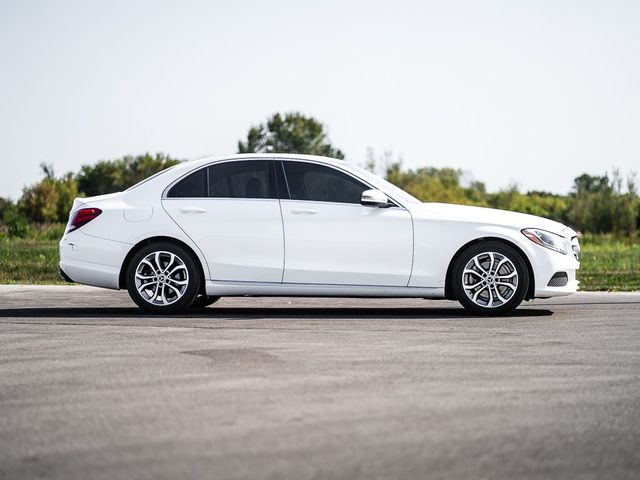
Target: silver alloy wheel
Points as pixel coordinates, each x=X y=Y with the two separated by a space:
x=161 y=278
x=490 y=279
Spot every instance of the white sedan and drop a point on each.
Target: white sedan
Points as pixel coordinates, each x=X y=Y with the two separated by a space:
x=285 y=225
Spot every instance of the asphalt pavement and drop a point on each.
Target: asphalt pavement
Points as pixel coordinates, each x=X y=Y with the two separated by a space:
x=286 y=388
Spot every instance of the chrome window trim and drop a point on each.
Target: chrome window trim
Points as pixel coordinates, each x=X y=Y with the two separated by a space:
x=215 y=162
x=360 y=180
x=226 y=199
x=397 y=203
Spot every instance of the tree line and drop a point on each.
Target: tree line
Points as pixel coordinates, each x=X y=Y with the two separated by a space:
x=49 y=200
x=598 y=204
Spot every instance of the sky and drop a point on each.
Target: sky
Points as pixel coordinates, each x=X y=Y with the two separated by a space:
x=531 y=93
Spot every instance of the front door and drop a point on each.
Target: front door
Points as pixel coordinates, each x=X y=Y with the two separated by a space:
x=330 y=238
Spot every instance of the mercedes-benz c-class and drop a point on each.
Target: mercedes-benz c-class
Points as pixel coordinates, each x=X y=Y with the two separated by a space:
x=298 y=225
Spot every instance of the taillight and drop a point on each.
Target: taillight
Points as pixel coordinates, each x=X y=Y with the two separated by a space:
x=82 y=217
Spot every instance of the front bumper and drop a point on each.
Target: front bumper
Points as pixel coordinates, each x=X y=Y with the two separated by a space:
x=550 y=291
x=547 y=264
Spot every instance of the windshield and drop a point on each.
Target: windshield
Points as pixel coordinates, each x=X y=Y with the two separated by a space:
x=394 y=191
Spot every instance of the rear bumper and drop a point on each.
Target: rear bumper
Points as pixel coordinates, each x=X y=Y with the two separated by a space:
x=91 y=260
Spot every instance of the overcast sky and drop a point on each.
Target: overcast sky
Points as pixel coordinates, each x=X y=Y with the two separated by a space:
x=531 y=92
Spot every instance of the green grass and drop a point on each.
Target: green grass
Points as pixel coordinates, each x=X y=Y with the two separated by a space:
x=607 y=263
x=29 y=261
x=610 y=264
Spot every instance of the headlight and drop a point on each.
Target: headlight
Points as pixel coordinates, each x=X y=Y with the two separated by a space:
x=575 y=246
x=546 y=239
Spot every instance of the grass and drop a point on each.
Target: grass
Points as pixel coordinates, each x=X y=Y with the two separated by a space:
x=607 y=263
x=29 y=261
x=33 y=259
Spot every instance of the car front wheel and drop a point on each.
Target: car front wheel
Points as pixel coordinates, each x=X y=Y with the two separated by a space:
x=490 y=278
x=163 y=278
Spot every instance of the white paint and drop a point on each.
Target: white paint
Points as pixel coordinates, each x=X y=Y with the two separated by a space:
x=319 y=246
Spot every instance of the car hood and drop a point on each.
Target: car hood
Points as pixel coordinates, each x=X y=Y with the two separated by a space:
x=487 y=216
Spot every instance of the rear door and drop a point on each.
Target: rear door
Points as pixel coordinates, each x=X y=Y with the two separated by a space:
x=232 y=212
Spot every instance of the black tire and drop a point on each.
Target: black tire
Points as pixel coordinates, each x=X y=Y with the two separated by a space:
x=490 y=288
x=179 y=289
x=203 y=301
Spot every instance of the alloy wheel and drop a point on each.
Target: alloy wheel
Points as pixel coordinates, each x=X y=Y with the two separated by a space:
x=490 y=279
x=161 y=278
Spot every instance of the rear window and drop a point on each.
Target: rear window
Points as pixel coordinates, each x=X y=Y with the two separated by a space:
x=243 y=179
x=192 y=186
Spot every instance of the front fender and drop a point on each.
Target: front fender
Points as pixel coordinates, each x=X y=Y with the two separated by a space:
x=437 y=243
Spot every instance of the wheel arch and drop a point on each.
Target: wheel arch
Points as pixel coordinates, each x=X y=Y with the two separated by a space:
x=122 y=279
x=448 y=285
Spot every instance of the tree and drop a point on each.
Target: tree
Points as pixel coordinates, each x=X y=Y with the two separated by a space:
x=591 y=184
x=13 y=222
x=39 y=201
x=603 y=204
x=293 y=133
x=543 y=204
x=431 y=184
x=6 y=204
x=109 y=176
x=50 y=199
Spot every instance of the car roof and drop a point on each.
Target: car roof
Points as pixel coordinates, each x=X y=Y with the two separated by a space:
x=192 y=164
x=186 y=166
x=273 y=155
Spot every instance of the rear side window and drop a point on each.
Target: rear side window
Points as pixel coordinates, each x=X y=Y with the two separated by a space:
x=244 y=179
x=309 y=181
x=192 y=186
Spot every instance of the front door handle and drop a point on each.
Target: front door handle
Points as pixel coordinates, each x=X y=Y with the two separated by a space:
x=192 y=210
x=304 y=211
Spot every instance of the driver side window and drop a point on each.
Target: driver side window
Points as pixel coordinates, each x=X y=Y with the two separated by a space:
x=309 y=181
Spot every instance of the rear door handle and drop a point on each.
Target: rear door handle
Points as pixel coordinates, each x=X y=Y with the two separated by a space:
x=304 y=211
x=192 y=210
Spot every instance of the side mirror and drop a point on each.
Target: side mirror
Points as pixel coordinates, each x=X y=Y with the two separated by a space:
x=374 y=198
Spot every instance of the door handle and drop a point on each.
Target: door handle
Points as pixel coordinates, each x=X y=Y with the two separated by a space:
x=192 y=210
x=304 y=211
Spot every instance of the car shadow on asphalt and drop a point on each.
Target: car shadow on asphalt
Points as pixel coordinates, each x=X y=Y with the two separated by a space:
x=244 y=313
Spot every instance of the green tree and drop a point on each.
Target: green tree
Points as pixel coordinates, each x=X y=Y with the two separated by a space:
x=50 y=199
x=39 y=201
x=604 y=204
x=6 y=204
x=14 y=223
x=107 y=176
x=66 y=189
x=291 y=133
x=542 y=204
x=591 y=202
x=431 y=184
x=624 y=204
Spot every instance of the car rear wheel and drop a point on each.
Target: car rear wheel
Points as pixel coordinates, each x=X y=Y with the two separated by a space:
x=163 y=278
x=490 y=278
